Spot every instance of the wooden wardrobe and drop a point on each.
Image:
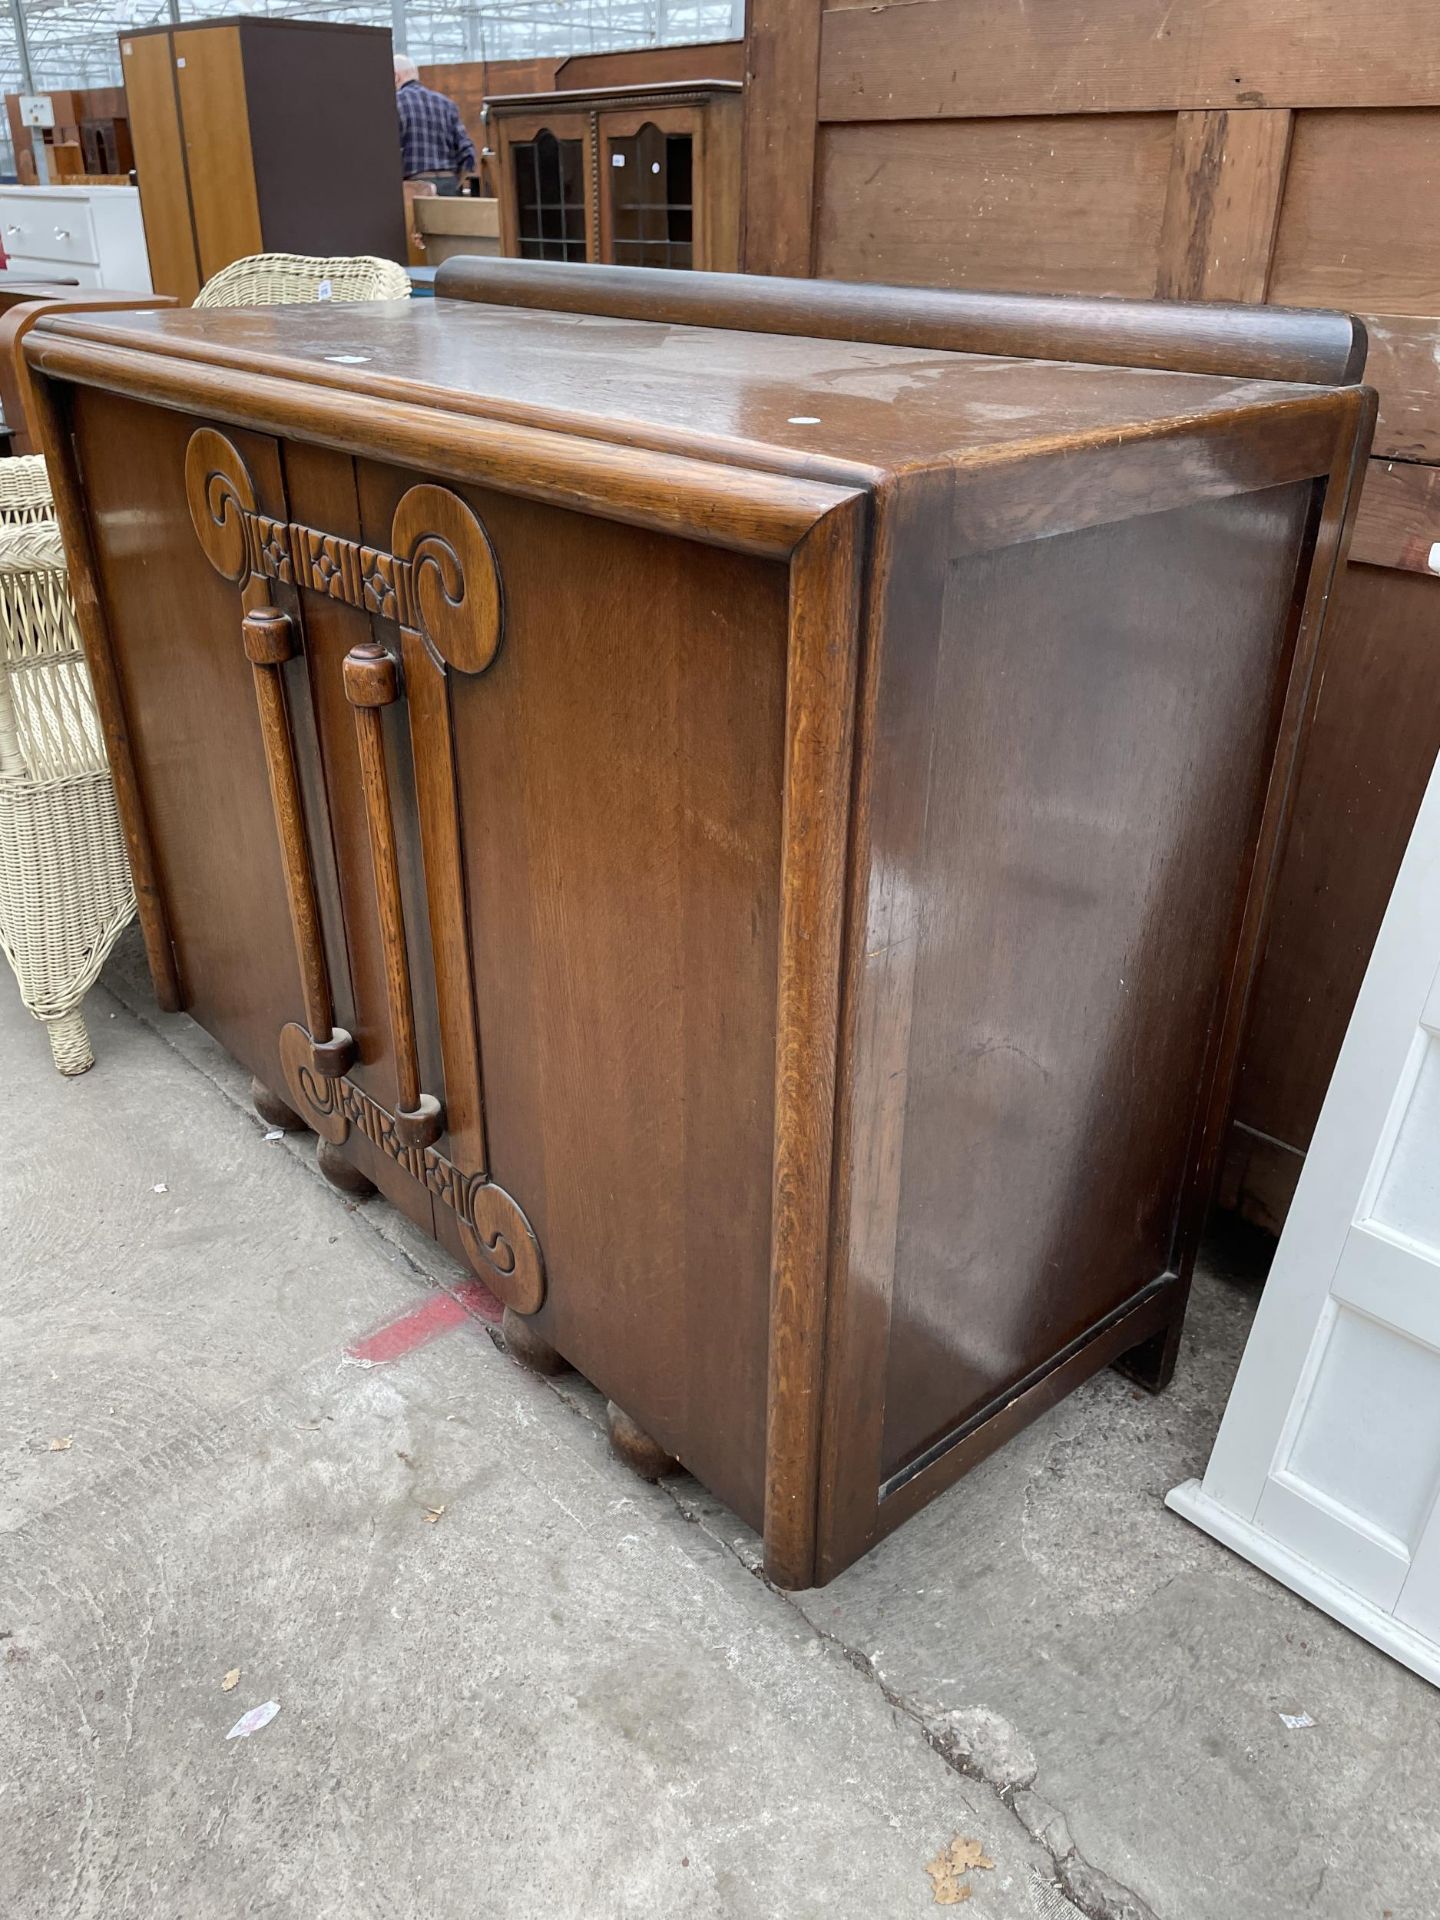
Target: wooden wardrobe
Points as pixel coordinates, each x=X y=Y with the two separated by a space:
x=1208 y=150
x=262 y=136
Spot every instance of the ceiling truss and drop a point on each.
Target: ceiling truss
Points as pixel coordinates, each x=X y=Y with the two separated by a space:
x=74 y=43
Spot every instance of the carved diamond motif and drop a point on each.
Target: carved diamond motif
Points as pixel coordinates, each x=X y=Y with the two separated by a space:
x=377 y=577
x=272 y=539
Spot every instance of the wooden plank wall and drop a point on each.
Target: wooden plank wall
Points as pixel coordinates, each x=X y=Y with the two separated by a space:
x=1280 y=150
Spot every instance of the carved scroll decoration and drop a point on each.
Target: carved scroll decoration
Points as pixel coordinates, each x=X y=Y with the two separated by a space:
x=440 y=583
x=440 y=580
x=499 y=1239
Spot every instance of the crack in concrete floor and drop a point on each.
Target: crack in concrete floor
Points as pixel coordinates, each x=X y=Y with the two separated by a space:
x=1077 y=1886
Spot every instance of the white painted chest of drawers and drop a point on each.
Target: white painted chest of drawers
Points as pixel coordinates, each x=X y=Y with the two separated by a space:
x=93 y=236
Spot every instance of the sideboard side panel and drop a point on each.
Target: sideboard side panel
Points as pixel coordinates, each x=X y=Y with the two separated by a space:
x=1117 y=692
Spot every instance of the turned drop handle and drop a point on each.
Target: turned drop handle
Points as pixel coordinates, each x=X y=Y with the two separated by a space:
x=269 y=638
x=372 y=681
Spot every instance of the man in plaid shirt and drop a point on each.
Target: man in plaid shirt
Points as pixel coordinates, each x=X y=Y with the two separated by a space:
x=433 y=142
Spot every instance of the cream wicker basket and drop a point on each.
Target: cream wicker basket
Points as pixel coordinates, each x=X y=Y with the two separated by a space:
x=285 y=279
x=65 y=889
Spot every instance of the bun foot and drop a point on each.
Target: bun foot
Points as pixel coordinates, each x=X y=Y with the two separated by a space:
x=273 y=1110
x=341 y=1175
x=634 y=1446
x=523 y=1343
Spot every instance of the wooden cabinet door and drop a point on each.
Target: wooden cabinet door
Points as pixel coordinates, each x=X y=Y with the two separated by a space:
x=383 y=1061
x=192 y=721
x=652 y=203
x=219 y=164
x=547 y=203
x=148 y=61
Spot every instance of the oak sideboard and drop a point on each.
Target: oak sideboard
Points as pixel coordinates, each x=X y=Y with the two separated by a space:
x=745 y=808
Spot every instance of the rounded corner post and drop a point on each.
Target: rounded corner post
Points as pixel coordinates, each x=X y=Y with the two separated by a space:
x=826 y=580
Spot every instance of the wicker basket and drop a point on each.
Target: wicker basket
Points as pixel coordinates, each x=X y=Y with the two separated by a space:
x=65 y=888
x=283 y=279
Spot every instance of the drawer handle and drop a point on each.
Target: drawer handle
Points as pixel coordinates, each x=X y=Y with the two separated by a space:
x=372 y=681
x=62 y=233
x=14 y=229
x=269 y=638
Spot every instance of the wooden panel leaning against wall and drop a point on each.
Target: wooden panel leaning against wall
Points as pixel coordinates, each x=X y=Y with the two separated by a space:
x=1248 y=151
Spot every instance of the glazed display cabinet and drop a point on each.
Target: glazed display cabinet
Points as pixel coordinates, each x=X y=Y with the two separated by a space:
x=636 y=176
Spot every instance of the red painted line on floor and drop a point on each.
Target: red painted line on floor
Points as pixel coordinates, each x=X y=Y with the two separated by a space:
x=440 y=1313
x=477 y=1299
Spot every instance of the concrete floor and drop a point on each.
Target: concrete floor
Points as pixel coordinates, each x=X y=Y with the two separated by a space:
x=513 y=1680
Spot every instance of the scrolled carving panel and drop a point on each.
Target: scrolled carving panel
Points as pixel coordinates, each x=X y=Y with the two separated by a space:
x=452 y=576
x=222 y=504
x=439 y=582
x=498 y=1238
x=440 y=578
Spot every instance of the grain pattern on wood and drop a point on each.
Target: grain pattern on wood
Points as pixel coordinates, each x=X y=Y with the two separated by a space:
x=321 y=494
x=215 y=121
x=1222 y=205
x=1004 y=1096
x=148 y=64
x=221 y=496
x=50 y=416
x=1399 y=523
x=943 y=58
x=452 y=585
x=1404 y=368
x=909 y=568
x=192 y=721
x=1151 y=1315
x=782 y=54
x=432 y=743
x=17 y=315
x=497 y=1235
x=261 y=626
x=372 y=681
x=620 y=791
x=758 y=513
x=1263 y=344
x=1314 y=587
x=825 y=584
x=850 y=883
x=1379 y=679
x=1355 y=221
x=943 y=202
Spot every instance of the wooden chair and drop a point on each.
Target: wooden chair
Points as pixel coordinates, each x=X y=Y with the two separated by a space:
x=285 y=279
x=65 y=887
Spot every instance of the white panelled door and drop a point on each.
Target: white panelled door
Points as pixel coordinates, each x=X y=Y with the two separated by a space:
x=1326 y=1470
